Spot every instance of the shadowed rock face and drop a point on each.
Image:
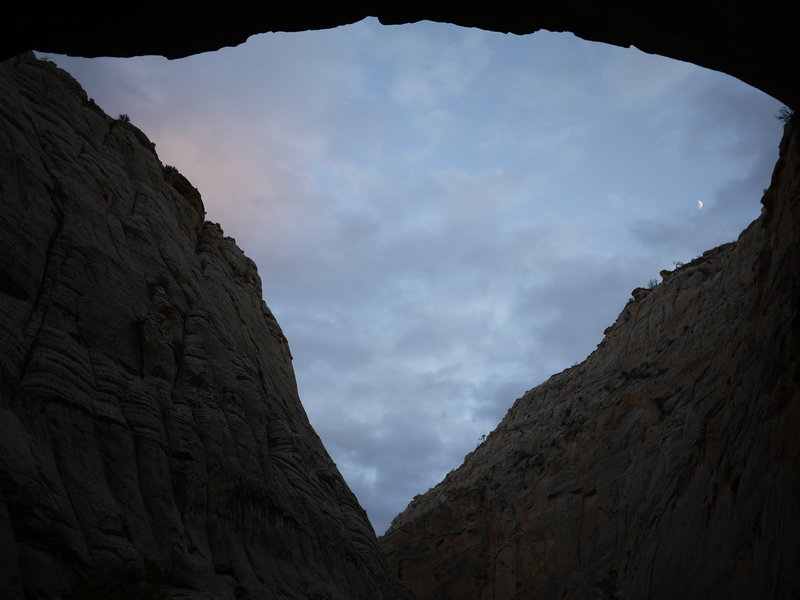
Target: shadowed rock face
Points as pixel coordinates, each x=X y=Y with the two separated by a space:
x=667 y=465
x=759 y=43
x=150 y=428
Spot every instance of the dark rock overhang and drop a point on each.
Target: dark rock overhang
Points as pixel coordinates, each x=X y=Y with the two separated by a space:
x=758 y=43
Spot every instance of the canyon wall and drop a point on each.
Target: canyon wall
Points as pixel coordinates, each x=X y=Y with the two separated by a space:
x=667 y=465
x=150 y=428
x=151 y=437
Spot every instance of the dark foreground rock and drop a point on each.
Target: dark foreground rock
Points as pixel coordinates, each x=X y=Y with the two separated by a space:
x=667 y=465
x=151 y=437
x=759 y=43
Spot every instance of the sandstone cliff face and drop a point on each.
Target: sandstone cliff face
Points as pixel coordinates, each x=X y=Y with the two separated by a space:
x=667 y=465
x=150 y=428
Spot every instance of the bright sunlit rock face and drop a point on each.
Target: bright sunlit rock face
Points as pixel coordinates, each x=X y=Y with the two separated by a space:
x=444 y=217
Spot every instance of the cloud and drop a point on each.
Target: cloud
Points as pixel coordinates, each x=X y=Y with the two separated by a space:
x=432 y=64
x=730 y=137
x=634 y=77
x=444 y=217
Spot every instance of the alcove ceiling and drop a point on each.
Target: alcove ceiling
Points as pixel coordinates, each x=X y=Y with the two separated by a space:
x=759 y=43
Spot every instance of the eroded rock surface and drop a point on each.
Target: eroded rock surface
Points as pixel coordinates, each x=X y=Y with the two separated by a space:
x=150 y=428
x=667 y=465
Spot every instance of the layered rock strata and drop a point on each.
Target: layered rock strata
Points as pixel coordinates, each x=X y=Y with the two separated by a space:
x=667 y=465
x=151 y=437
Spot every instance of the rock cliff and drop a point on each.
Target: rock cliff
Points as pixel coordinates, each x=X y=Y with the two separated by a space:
x=667 y=465
x=149 y=425
x=151 y=437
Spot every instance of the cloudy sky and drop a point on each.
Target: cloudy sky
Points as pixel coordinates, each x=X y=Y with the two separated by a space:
x=444 y=217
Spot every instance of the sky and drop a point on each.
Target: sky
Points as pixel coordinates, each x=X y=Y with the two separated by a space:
x=444 y=217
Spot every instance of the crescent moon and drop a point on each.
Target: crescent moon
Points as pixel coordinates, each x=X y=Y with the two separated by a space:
x=699 y=204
